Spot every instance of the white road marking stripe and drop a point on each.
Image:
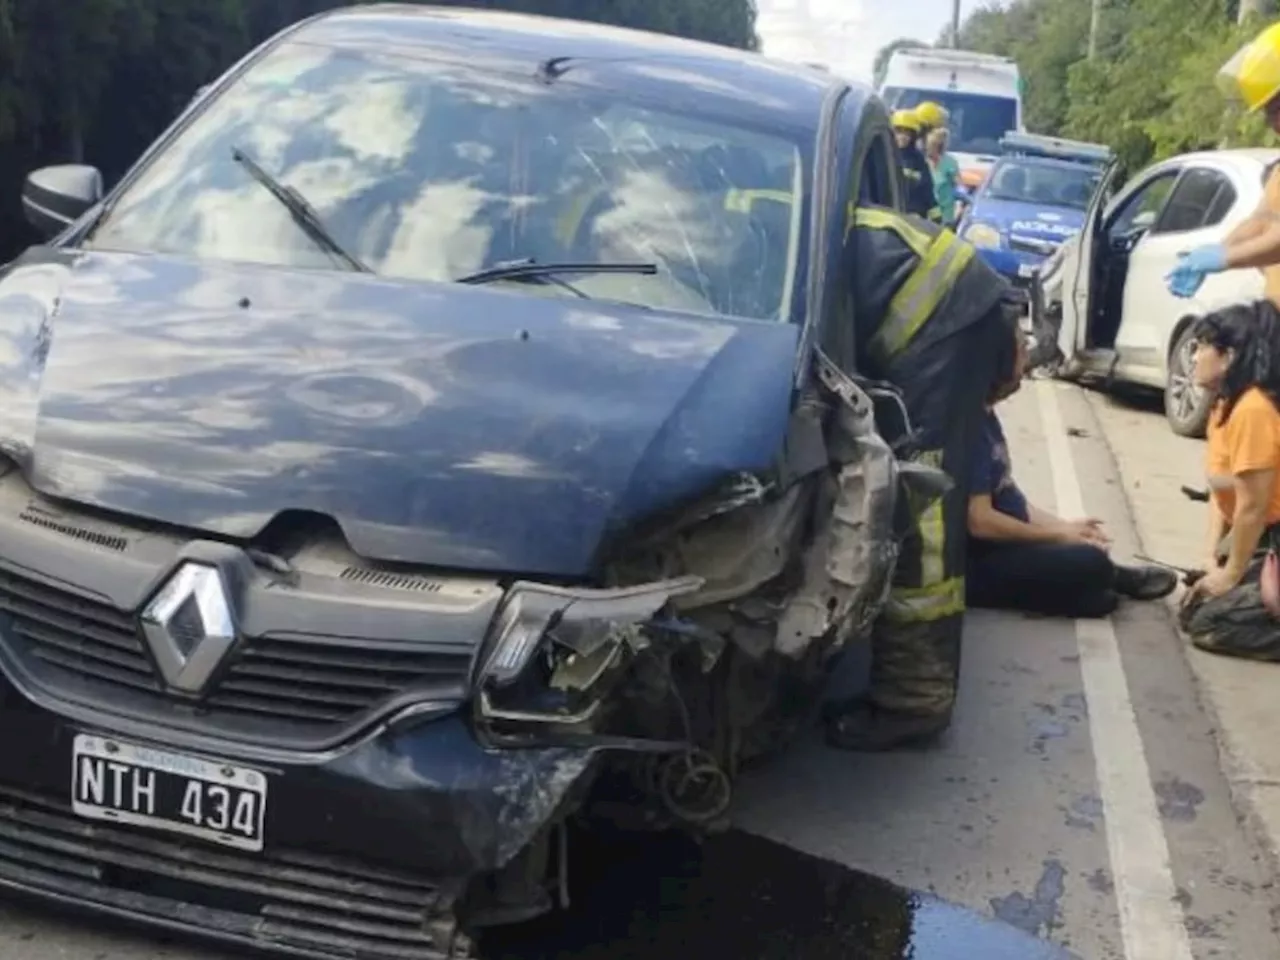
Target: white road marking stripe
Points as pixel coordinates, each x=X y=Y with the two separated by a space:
x=1152 y=925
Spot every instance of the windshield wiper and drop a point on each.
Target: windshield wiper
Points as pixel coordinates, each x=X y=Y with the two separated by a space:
x=543 y=272
x=303 y=214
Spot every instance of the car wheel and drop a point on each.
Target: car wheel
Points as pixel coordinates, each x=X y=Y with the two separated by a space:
x=1186 y=406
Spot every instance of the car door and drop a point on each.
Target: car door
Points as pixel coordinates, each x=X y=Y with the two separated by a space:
x=1231 y=286
x=1081 y=256
x=1200 y=199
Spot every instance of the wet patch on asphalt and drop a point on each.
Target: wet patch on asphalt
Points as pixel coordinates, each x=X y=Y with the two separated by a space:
x=1100 y=882
x=1085 y=813
x=1039 y=913
x=738 y=895
x=1178 y=800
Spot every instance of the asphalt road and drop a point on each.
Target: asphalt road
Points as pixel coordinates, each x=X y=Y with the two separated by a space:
x=1078 y=797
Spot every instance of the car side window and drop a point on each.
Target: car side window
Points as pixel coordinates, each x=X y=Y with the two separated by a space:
x=1222 y=203
x=1194 y=199
x=1140 y=210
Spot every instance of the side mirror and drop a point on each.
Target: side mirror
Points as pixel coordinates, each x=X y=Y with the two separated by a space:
x=1144 y=221
x=53 y=198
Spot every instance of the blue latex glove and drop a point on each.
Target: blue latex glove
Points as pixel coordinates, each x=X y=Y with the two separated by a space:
x=1185 y=278
x=1184 y=283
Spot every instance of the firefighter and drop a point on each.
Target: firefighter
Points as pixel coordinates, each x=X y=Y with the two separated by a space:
x=944 y=331
x=932 y=116
x=915 y=168
x=1251 y=78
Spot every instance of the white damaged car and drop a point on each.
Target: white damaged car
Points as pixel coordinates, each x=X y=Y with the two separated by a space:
x=1100 y=307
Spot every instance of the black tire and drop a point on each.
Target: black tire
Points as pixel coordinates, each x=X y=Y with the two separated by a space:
x=1186 y=406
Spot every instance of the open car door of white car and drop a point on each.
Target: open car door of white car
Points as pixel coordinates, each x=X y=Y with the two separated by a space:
x=1078 y=293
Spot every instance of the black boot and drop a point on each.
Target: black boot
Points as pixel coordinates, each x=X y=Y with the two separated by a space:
x=861 y=726
x=1145 y=583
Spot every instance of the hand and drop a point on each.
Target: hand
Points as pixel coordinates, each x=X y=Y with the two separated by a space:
x=1215 y=583
x=1189 y=273
x=1183 y=283
x=1210 y=258
x=1087 y=531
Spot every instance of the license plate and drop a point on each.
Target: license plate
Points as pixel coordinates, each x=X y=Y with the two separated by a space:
x=125 y=783
x=1026 y=270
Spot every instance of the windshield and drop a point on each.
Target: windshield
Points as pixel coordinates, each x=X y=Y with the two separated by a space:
x=1026 y=181
x=426 y=170
x=977 y=122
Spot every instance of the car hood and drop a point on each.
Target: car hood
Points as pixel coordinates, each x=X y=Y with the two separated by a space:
x=1034 y=221
x=439 y=424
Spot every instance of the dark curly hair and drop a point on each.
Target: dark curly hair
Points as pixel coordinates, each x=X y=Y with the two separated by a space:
x=1251 y=333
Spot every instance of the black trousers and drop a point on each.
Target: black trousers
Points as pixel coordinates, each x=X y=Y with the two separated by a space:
x=1055 y=580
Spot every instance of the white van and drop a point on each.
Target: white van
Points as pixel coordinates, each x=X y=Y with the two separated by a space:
x=983 y=94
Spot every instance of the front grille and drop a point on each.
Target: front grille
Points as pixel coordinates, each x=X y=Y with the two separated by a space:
x=329 y=906
x=73 y=643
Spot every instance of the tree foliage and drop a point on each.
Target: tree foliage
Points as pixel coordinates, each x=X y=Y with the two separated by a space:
x=97 y=80
x=888 y=50
x=1149 y=91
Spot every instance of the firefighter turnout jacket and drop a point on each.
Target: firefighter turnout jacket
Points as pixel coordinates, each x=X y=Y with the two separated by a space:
x=930 y=320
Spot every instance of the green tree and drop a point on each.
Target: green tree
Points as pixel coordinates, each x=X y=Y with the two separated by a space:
x=1149 y=93
x=99 y=79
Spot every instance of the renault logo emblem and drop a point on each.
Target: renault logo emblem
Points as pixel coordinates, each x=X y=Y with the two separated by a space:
x=189 y=627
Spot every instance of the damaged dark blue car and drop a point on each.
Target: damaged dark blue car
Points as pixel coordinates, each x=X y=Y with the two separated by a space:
x=448 y=429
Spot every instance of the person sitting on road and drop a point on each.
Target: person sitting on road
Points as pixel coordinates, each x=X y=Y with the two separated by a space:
x=1024 y=558
x=1238 y=359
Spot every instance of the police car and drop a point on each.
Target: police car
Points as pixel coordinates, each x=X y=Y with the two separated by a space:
x=1034 y=199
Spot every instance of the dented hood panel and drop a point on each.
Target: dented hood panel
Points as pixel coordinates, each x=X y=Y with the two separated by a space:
x=472 y=428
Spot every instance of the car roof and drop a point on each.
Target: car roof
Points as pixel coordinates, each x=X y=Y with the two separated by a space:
x=1051 y=162
x=1237 y=156
x=790 y=92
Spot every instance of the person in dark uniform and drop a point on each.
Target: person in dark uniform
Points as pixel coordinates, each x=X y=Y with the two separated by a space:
x=939 y=325
x=921 y=198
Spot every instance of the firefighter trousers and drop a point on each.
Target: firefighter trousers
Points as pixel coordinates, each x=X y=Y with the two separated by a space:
x=915 y=644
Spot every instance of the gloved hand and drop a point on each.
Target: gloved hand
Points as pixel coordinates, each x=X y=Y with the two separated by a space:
x=1185 y=278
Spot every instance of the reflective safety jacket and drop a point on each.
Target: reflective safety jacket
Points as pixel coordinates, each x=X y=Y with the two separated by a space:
x=922 y=200
x=912 y=278
x=920 y=292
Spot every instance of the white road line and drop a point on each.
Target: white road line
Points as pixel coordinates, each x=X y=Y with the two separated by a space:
x=1152 y=925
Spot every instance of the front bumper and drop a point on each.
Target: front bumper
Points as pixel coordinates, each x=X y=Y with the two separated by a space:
x=1015 y=266
x=362 y=851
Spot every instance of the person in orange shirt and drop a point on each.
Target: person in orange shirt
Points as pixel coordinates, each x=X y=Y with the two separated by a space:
x=1238 y=358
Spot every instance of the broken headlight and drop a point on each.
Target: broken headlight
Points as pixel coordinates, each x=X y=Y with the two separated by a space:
x=551 y=650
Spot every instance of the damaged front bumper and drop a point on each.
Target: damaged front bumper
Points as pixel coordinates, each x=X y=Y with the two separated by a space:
x=367 y=850
x=447 y=817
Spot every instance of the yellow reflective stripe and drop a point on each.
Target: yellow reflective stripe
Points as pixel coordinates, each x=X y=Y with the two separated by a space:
x=918 y=240
x=933 y=531
x=741 y=201
x=912 y=305
x=935 y=214
x=925 y=604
